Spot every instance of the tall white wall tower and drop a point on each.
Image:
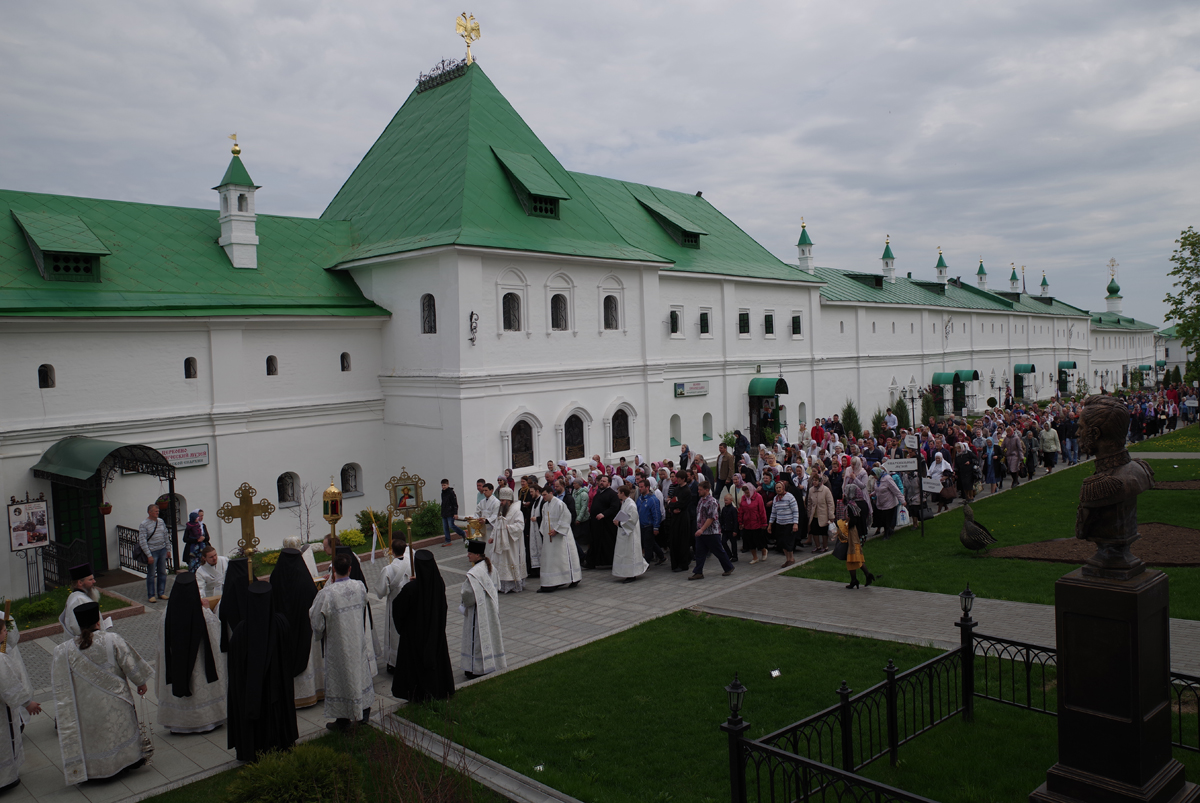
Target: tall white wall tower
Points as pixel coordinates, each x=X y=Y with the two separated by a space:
x=889 y=261
x=805 y=246
x=238 y=235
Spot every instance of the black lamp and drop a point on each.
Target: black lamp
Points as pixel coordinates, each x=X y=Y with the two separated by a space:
x=736 y=692
x=966 y=599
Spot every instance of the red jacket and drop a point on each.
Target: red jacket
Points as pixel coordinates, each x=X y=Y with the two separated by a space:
x=752 y=515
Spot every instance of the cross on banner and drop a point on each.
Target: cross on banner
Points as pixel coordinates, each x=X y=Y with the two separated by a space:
x=245 y=513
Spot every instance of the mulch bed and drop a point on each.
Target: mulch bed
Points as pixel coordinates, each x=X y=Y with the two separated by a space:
x=1178 y=485
x=1159 y=545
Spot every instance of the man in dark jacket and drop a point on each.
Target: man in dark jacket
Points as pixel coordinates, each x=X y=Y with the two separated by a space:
x=604 y=508
x=449 y=511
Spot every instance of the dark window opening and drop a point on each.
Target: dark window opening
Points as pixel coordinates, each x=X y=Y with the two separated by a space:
x=797 y=326
x=558 y=313
x=674 y=321
x=574 y=437
x=620 y=431
x=541 y=206
x=45 y=376
x=428 y=315
x=189 y=368
x=522 y=444
x=272 y=366
x=286 y=487
x=743 y=323
x=705 y=327
x=345 y=361
x=612 y=318
x=512 y=312
x=769 y=324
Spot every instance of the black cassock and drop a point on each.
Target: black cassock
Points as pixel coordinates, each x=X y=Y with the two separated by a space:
x=423 y=669
x=294 y=592
x=604 y=531
x=679 y=526
x=262 y=711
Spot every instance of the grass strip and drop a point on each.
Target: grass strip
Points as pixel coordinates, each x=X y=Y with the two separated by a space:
x=44 y=609
x=1186 y=439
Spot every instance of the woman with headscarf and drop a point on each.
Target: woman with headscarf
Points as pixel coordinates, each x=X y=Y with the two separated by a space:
x=752 y=523
x=850 y=533
x=943 y=472
x=419 y=612
x=262 y=716
x=820 y=510
x=993 y=465
x=195 y=538
x=888 y=499
x=188 y=683
x=964 y=469
x=232 y=608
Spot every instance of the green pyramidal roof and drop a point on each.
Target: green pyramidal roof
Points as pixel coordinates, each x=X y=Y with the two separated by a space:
x=236 y=174
x=981 y=271
x=804 y=240
x=436 y=176
x=941 y=261
x=1014 y=278
x=887 y=250
x=1044 y=282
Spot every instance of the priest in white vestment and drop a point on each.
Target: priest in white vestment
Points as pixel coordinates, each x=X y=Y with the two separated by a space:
x=16 y=704
x=559 y=558
x=97 y=722
x=628 y=561
x=508 y=551
x=83 y=591
x=488 y=509
x=339 y=620
x=210 y=574
x=189 y=680
x=482 y=644
x=393 y=578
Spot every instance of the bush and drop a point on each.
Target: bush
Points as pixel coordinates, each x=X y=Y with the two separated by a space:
x=269 y=559
x=928 y=409
x=991 y=402
x=352 y=538
x=850 y=419
x=306 y=774
x=427 y=521
x=367 y=516
x=900 y=408
x=730 y=440
x=878 y=422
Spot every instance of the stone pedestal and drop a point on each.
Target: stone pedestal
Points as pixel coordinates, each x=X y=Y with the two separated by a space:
x=1114 y=697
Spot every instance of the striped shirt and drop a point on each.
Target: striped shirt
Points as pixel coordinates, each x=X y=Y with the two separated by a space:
x=785 y=510
x=707 y=509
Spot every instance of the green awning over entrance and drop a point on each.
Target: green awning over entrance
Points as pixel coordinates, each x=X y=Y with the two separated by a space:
x=943 y=378
x=86 y=462
x=1144 y=368
x=967 y=374
x=1066 y=365
x=1024 y=368
x=1161 y=363
x=767 y=386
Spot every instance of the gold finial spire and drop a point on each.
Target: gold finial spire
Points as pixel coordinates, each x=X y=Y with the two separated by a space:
x=887 y=239
x=468 y=29
x=236 y=149
x=939 y=250
x=802 y=223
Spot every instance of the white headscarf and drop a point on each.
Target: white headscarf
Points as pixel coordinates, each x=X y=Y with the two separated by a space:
x=938 y=467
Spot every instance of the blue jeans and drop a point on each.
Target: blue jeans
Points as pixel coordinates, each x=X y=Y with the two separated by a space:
x=448 y=525
x=157 y=569
x=1072 y=450
x=711 y=543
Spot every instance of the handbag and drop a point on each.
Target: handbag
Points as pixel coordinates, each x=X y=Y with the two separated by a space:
x=1023 y=472
x=903 y=517
x=841 y=549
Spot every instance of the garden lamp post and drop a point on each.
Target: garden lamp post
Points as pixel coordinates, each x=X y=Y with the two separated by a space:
x=966 y=626
x=735 y=726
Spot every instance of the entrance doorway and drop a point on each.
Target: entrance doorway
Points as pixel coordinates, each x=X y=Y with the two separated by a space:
x=77 y=518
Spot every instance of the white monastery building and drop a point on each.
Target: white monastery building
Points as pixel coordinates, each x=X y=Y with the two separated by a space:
x=464 y=304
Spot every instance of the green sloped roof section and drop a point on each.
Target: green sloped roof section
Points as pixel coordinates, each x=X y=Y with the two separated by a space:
x=669 y=214
x=943 y=378
x=64 y=233
x=843 y=285
x=165 y=261
x=981 y=271
x=433 y=178
x=1170 y=331
x=237 y=174
x=941 y=263
x=767 y=386
x=727 y=249
x=804 y=238
x=530 y=173
x=1111 y=320
x=1024 y=368
x=887 y=250
x=967 y=374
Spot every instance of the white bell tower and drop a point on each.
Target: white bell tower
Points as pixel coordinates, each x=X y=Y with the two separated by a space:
x=889 y=261
x=805 y=246
x=238 y=236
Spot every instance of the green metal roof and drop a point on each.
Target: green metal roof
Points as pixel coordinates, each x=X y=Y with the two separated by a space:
x=1161 y=363
x=63 y=233
x=1024 y=368
x=1113 y=288
x=958 y=375
x=852 y=286
x=941 y=263
x=77 y=458
x=236 y=174
x=1014 y=277
x=767 y=386
x=432 y=178
x=981 y=271
x=529 y=172
x=943 y=378
x=1044 y=282
x=804 y=240
x=1066 y=365
x=165 y=261
x=967 y=374
x=1145 y=368
x=669 y=214
x=1111 y=320
x=1170 y=331
x=887 y=250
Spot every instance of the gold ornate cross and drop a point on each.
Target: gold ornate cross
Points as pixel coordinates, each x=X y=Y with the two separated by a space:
x=246 y=513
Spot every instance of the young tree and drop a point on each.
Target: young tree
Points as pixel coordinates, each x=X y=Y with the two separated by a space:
x=1185 y=303
x=850 y=419
x=878 y=422
x=900 y=408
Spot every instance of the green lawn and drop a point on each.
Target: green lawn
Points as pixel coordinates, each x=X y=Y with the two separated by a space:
x=1034 y=511
x=1184 y=439
x=44 y=609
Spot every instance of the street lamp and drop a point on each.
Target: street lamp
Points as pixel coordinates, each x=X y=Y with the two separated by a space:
x=737 y=693
x=966 y=626
x=735 y=726
x=966 y=599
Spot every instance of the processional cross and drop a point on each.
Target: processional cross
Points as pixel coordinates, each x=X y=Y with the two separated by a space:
x=246 y=513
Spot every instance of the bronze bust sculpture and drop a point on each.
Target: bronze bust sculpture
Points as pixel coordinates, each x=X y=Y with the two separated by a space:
x=1108 y=500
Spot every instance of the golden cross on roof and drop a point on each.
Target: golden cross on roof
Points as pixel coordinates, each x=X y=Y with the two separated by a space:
x=468 y=29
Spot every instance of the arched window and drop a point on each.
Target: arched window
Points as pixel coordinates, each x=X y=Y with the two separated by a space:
x=573 y=434
x=288 y=488
x=352 y=479
x=612 y=317
x=189 y=368
x=522 y=444
x=243 y=204
x=676 y=430
x=428 y=315
x=45 y=376
x=707 y=424
x=224 y=203
x=512 y=312
x=345 y=361
x=559 y=319
x=272 y=366
x=620 y=431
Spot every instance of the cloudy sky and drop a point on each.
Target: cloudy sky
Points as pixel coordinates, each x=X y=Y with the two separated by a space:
x=1052 y=135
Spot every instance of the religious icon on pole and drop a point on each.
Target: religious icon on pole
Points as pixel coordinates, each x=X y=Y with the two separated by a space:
x=405 y=493
x=246 y=512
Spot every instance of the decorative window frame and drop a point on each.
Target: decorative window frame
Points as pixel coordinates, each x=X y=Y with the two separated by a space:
x=749 y=328
x=619 y=403
x=560 y=431
x=678 y=309
x=800 y=314
x=560 y=284
x=611 y=285
x=699 y=327
x=770 y=313
x=520 y=414
x=512 y=280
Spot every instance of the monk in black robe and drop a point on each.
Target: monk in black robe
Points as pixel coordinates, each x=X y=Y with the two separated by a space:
x=234 y=594
x=293 y=588
x=423 y=669
x=262 y=715
x=604 y=508
x=681 y=531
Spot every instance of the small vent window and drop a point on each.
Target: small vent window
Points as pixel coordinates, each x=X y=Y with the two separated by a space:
x=428 y=315
x=72 y=267
x=189 y=368
x=705 y=327
x=345 y=361
x=769 y=324
x=743 y=323
x=689 y=239
x=272 y=366
x=541 y=206
x=45 y=376
x=674 y=322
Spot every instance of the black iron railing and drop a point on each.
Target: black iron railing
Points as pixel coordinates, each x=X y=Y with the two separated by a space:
x=1185 y=721
x=58 y=558
x=1016 y=673
x=131 y=554
x=781 y=777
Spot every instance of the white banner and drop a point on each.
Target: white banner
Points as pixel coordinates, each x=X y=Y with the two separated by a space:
x=901 y=464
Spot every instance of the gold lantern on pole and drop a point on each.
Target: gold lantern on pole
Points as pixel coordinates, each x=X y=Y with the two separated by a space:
x=331 y=507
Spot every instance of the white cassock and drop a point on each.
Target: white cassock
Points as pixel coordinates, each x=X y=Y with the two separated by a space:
x=205 y=708
x=212 y=578
x=535 y=538
x=627 y=556
x=508 y=557
x=67 y=617
x=97 y=723
x=339 y=619
x=560 y=558
x=391 y=580
x=489 y=510
x=15 y=693
x=482 y=644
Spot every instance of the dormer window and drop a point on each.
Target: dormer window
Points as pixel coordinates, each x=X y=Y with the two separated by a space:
x=64 y=248
x=536 y=189
x=541 y=206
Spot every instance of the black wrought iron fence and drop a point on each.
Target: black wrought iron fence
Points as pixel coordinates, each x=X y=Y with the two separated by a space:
x=131 y=555
x=1016 y=673
x=777 y=776
x=57 y=560
x=1185 y=721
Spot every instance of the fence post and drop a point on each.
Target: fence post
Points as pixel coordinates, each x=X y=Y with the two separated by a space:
x=893 y=723
x=966 y=626
x=735 y=726
x=847 y=720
